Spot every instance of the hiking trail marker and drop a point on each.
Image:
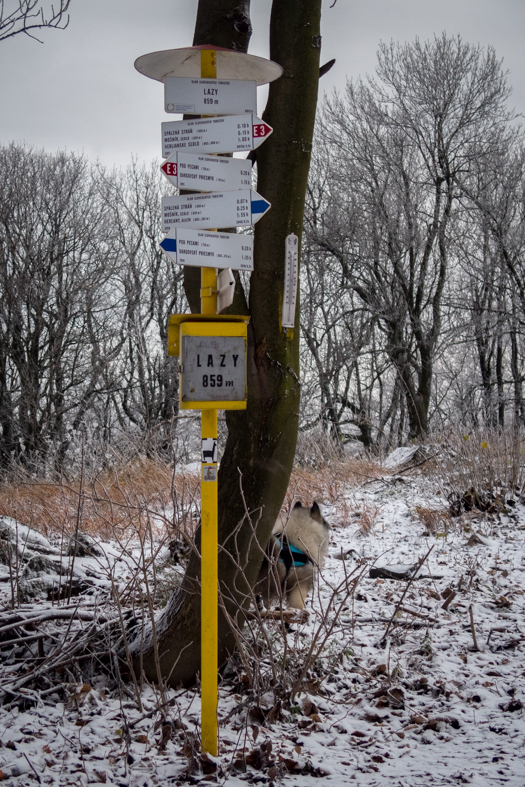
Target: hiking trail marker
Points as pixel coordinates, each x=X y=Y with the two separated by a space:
x=211 y=347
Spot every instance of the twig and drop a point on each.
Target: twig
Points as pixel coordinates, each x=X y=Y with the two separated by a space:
x=398 y=605
x=472 y=629
x=451 y=596
x=59 y=614
x=32 y=767
x=416 y=614
x=77 y=522
x=414 y=467
x=285 y=615
x=401 y=623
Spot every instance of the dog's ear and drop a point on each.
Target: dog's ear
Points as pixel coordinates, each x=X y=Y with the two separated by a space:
x=315 y=513
x=298 y=505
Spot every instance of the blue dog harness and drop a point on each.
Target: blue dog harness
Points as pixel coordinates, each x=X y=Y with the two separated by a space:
x=290 y=555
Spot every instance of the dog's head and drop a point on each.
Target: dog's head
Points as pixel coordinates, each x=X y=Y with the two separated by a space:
x=315 y=513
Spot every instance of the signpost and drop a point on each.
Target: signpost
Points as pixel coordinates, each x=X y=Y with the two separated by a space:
x=212 y=349
x=210 y=96
x=207 y=173
x=199 y=248
x=214 y=135
x=241 y=208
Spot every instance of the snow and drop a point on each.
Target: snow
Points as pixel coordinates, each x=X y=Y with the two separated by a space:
x=421 y=708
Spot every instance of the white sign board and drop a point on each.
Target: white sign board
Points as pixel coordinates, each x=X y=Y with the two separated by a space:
x=227 y=134
x=210 y=96
x=207 y=173
x=213 y=369
x=209 y=211
x=291 y=275
x=201 y=249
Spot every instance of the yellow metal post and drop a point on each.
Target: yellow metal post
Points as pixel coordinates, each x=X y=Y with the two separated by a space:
x=209 y=601
x=209 y=507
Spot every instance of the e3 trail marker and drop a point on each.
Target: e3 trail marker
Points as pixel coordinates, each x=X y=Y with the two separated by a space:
x=211 y=348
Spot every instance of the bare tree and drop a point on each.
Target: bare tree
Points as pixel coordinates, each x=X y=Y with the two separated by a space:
x=400 y=146
x=24 y=16
x=151 y=288
x=58 y=337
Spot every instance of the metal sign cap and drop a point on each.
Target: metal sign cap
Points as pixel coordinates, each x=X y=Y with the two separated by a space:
x=187 y=63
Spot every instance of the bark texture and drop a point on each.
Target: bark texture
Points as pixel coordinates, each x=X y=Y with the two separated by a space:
x=258 y=456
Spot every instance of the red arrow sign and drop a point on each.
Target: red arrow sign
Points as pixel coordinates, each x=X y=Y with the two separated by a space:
x=261 y=129
x=169 y=168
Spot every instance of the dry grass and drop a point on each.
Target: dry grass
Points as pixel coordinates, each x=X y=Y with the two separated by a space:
x=435 y=520
x=329 y=484
x=481 y=466
x=122 y=498
x=127 y=497
x=369 y=514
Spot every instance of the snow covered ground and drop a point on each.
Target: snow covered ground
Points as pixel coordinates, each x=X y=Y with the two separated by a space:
x=393 y=688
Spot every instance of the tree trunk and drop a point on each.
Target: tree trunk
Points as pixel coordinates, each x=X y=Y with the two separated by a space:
x=257 y=460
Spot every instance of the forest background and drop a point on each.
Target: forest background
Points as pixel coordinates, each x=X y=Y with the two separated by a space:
x=412 y=294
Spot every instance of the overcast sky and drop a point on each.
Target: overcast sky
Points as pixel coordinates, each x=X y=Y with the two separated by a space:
x=79 y=90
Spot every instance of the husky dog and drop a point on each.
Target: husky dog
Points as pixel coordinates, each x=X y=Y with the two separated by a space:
x=297 y=545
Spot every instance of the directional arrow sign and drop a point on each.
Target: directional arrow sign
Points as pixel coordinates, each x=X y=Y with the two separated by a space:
x=214 y=135
x=207 y=173
x=209 y=249
x=210 y=96
x=224 y=209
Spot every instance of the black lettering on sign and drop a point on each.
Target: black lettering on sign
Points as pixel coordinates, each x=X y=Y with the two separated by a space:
x=223 y=358
x=235 y=357
x=210 y=360
x=198 y=360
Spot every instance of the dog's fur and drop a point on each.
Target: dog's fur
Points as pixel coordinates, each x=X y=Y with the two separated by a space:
x=306 y=530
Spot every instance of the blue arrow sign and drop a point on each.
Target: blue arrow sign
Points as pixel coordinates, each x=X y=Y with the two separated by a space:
x=169 y=244
x=259 y=208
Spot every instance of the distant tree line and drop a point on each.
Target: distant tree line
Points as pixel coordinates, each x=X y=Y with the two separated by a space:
x=84 y=296
x=412 y=282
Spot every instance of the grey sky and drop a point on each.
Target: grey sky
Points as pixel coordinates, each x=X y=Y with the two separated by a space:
x=78 y=90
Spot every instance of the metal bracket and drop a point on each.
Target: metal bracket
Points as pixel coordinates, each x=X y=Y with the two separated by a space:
x=207 y=292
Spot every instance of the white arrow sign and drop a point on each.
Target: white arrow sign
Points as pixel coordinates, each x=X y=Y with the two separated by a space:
x=214 y=135
x=210 y=96
x=222 y=209
x=209 y=249
x=207 y=173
